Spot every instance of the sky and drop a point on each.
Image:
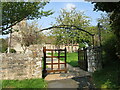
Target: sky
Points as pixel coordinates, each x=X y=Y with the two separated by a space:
x=57 y=5
x=87 y=7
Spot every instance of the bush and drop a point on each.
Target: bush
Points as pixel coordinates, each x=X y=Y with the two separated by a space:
x=81 y=45
x=12 y=51
x=3 y=49
x=109 y=49
x=3 y=45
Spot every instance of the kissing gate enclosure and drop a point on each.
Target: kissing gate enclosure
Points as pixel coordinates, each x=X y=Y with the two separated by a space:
x=52 y=62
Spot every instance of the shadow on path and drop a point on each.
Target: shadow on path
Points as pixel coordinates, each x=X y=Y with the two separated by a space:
x=84 y=82
x=75 y=78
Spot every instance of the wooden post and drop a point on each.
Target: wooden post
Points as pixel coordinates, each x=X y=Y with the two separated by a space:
x=58 y=59
x=52 y=60
x=65 y=60
x=85 y=59
x=44 y=60
x=78 y=56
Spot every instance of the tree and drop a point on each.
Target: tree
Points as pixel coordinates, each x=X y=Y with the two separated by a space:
x=28 y=34
x=105 y=22
x=105 y=27
x=14 y=12
x=69 y=36
x=94 y=31
x=114 y=9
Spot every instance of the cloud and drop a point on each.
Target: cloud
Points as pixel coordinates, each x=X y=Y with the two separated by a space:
x=67 y=1
x=70 y=6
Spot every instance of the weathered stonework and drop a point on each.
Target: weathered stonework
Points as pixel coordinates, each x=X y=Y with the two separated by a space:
x=20 y=66
x=94 y=59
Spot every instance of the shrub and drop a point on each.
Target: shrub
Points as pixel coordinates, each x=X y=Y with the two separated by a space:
x=3 y=45
x=3 y=49
x=109 y=48
x=12 y=51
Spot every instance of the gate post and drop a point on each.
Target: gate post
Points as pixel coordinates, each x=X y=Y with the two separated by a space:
x=85 y=59
x=78 y=55
x=82 y=59
x=44 y=61
x=65 y=60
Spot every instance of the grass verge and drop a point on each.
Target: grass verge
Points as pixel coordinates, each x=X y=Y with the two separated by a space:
x=107 y=77
x=28 y=83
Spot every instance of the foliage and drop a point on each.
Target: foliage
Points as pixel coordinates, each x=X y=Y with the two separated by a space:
x=109 y=49
x=109 y=40
x=4 y=45
x=105 y=27
x=12 y=51
x=49 y=39
x=14 y=12
x=104 y=21
x=28 y=34
x=113 y=8
x=28 y=83
x=107 y=6
x=68 y=36
x=107 y=77
x=81 y=45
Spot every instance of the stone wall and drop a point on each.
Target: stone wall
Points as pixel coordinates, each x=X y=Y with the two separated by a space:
x=94 y=58
x=20 y=66
x=89 y=58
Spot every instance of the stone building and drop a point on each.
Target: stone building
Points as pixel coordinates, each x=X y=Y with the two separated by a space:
x=16 y=35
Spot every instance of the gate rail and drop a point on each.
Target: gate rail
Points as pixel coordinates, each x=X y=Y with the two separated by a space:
x=52 y=63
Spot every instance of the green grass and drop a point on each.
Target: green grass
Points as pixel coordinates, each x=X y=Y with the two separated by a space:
x=107 y=77
x=72 y=58
x=28 y=83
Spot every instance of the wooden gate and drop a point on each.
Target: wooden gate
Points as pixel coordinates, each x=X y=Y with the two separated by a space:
x=52 y=58
x=82 y=59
